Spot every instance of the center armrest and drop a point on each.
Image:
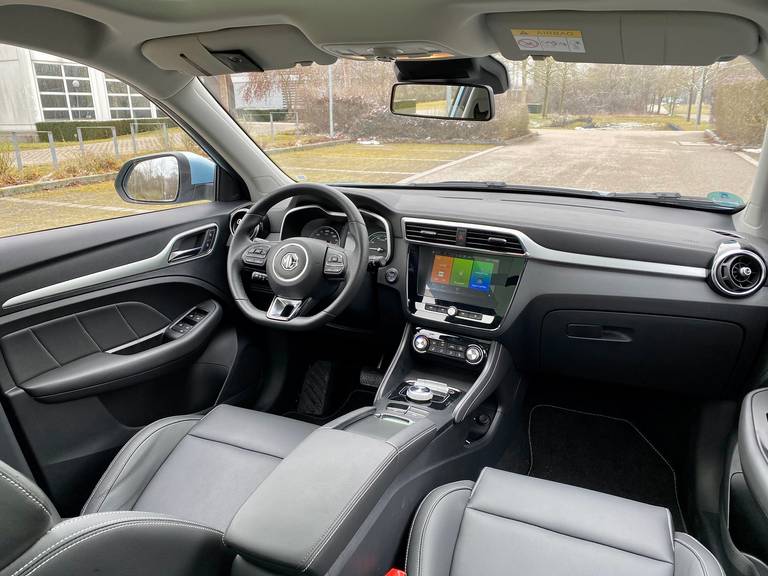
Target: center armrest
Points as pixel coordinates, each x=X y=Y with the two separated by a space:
x=303 y=515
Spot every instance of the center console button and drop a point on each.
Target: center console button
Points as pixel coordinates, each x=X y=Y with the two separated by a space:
x=419 y=393
x=452 y=311
x=420 y=343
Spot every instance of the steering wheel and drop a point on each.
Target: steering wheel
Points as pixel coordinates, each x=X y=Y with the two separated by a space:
x=300 y=271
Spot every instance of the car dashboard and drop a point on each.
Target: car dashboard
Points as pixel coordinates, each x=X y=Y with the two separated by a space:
x=577 y=288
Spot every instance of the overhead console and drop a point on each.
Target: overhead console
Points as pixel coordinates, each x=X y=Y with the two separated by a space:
x=461 y=274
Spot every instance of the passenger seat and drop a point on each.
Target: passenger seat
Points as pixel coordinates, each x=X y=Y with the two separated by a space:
x=507 y=524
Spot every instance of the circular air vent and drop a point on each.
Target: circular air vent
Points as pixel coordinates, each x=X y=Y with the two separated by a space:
x=738 y=272
x=235 y=218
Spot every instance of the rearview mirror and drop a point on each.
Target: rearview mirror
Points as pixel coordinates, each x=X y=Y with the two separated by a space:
x=170 y=177
x=442 y=101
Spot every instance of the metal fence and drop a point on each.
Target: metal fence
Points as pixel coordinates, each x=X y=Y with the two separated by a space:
x=25 y=145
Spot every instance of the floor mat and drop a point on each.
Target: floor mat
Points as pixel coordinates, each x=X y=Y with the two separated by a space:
x=600 y=453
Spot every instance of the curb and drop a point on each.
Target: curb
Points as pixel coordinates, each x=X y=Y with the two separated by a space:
x=268 y=151
x=54 y=184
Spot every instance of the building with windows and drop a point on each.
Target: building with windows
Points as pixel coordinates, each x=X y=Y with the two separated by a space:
x=36 y=87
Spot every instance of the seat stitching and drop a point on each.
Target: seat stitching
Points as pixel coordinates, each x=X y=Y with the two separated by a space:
x=78 y=518
x=88 y=529
x=313 y=553
x=128 y=458
x=570 y=535
x=27 y=493
x=125 y=525
x=426 y=524
x=699 y=558
x=236 y=446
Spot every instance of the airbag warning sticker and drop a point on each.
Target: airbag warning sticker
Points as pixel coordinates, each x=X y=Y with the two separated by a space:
x=532 y=40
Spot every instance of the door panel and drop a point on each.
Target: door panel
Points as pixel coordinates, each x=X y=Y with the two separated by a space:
x=84 y=366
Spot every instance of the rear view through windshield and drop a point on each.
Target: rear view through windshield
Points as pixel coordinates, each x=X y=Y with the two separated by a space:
x=693 y=131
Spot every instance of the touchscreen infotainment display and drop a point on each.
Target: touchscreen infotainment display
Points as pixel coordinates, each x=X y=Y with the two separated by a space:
x=479 y=286
x=470 y=273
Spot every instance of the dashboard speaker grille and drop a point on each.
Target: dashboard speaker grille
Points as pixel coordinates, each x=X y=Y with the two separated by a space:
x=738 y=273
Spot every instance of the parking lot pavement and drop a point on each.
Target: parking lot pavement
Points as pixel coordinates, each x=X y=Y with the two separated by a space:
x=612 y=161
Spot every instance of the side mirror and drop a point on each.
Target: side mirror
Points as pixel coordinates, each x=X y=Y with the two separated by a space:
x=443 y=101
x=166 y=178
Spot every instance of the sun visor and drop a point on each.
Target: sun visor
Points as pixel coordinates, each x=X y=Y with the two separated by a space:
x=652 y=38
x=248 y=49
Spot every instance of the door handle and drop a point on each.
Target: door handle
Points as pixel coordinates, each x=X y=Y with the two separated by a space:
x=188 y=253
x=202 y=243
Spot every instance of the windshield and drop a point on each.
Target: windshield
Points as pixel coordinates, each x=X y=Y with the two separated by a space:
x=620 y=129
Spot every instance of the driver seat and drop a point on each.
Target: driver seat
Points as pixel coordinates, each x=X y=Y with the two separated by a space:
x=197 y=468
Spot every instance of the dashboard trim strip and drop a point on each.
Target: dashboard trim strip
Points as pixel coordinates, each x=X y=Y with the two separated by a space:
x=534 y=251
x=159 y=260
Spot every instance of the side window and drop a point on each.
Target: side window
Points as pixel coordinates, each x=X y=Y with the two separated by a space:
x=78 y=145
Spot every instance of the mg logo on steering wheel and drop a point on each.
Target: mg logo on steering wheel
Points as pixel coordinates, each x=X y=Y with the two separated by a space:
x=289 y=261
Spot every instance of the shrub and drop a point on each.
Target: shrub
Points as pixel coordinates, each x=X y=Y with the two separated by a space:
x=66 y=130
x=741 y=111
x=7 y=162
x=358 y=118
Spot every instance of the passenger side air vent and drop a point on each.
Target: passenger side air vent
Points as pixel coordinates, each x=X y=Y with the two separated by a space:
x=737 y=272
x=433 y=233
x=492 y=240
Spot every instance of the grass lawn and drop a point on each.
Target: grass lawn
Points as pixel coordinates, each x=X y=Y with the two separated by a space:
x=77 y=204
x=349 y=162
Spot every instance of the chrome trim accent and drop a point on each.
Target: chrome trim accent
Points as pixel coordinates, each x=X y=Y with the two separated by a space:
x=726 y=250
x=535 y=251
x=405 y=339
x=232 y=218
x=430 y=315
x=159 y=260
x=384 y=221
x=282 y=278
x=278 y=306
x=137 y=341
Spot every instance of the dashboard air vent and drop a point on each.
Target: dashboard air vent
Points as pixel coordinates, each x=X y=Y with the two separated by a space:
x=434 y=233
x=493 y=240
x=737 y=272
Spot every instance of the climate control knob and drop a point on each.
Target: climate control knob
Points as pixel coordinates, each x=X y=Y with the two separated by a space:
x=474 y=354
x=420 y=343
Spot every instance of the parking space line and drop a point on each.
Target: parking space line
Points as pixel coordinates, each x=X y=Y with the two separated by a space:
x=415 y=177
x=746 y=157
x=58 y=204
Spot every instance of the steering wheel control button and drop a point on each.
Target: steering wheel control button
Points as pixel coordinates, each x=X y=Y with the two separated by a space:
x=391 y=275
x=420 y=343
x=256 y=255
x=419 y=393
x=474 y=354
x=334 y=263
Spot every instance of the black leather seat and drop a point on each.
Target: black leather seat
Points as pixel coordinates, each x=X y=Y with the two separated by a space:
x=197 y=468
x=162 y=505
x=507 y=524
